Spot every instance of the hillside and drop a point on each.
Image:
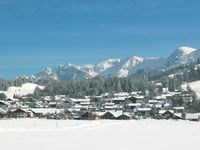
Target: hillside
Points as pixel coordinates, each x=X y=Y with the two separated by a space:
x=25 y=89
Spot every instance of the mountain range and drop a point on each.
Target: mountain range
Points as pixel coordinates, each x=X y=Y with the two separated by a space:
x=119 y=67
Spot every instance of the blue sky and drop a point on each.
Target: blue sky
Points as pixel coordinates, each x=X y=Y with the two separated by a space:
x=39 y=33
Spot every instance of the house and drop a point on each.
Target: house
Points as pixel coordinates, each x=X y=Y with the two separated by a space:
x=78 y=101
x=18 y=113
x=108 y=115
x=132 y=106
x=158 y=117
x=139 y=99
x=87 y=116
x=42 y=112
x=109 y=106
x=118 y=100
x=131 y=99
x=178 y=109
x=124 y=116
x=60 y=116
x=171 y=115
x=33 y=114
x=187 y=98
x=52 y=104
x=143 y=112
x=193 y=116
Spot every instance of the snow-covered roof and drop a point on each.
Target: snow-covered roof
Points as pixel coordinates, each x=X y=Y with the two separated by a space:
x=118 y=99
x=109 y=104
x=77 y=106
x=121 y=94
x=139 y=96
x=115 y=113
x=163 y=111
x=178 y=115
x=135 y=104
x=2 y=111
x=153 y=101
x=192 y=116
x=158 y=105
x=143 y=109
x=110 y=107
x=47 y=110
x=60 y=97
x=80 y=100
x=85 y=103
x=158 y=84
x=178 y=108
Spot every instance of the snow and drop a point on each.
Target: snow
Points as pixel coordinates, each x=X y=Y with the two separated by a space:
x=131 y=63
x=34 y=134
x=192 y=116
x=186 y=50
x=195 y=86
x=174 y=75
x=47 y=110
x=107 y=64
x=79 y=100
x=25 y=89
x=120 y=67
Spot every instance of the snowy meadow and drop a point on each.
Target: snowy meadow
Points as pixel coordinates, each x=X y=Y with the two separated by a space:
x=34 y=134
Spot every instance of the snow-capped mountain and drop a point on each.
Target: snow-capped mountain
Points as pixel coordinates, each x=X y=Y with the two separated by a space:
x=67 y=72
x=119 y=67
x=182 y=55
x=101 y=67
x=47 y=73
x=130 y=65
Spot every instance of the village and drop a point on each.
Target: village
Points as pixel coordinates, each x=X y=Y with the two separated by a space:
x=118 y=106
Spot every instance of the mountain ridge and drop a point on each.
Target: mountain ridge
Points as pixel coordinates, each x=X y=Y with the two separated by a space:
x=119 y=67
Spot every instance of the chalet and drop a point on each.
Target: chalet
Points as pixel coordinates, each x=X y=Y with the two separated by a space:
x=131 y=99
x=52 y=104
x=139 y=99
x=109 y=106
x=108 y=115
x=18 y=113
x=60 y=116
x=132 y=106
x=171 y=115
x=118 y=100
x=88 y=116
x=158 y=117
x=78 y=101
x=79 y=107
x=124 y=116
x=34 y=114
x=42 y=112
x=143 y=112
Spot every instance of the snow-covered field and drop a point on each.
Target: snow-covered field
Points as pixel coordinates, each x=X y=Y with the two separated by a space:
x=195 y=86
x=32 y=134
x=25 y=89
